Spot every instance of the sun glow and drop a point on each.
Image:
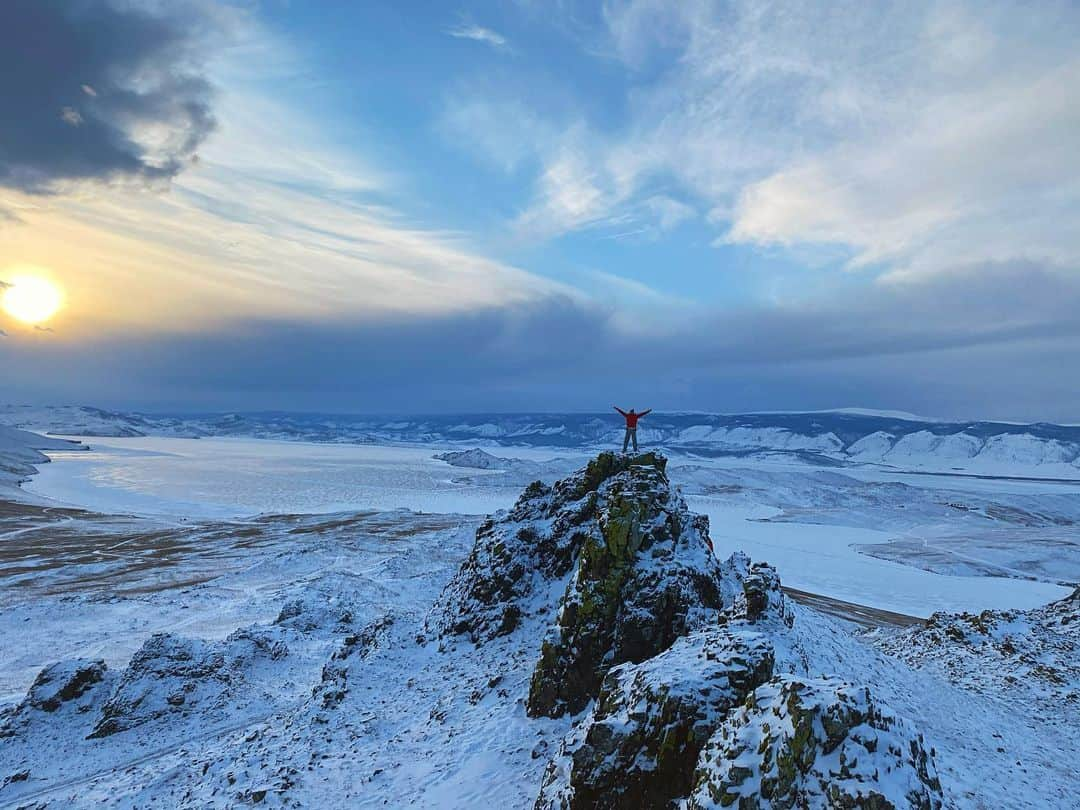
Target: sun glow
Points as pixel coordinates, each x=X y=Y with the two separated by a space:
x=31 y=299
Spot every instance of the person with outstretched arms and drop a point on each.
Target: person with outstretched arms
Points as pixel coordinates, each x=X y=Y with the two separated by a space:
x=631 y=418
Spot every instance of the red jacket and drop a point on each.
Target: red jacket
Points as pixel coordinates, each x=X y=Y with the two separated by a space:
x=632 y=418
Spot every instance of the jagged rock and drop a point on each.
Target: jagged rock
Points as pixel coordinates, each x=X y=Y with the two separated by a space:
x=639 y=745
x=644 y=577
x=801 y=742
x=630 y=567
x=170 y=674
x=518 y=554
x=762 y=598
x=65 y=681
x=78 y=685
x=333 y=684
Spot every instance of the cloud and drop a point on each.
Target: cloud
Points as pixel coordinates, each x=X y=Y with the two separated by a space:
x=669 y=213
x=964 y=179
x=478 y=33
x=276 y=220
x=569 y=196
x=109 y=90
x=982 y=340
x=916 y=136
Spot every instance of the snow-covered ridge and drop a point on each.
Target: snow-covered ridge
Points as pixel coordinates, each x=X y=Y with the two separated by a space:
x=830 y=438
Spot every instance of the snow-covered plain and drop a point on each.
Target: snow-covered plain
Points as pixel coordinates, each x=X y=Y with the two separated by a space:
x=200 y=538
x=304 y=682
x=845 y=438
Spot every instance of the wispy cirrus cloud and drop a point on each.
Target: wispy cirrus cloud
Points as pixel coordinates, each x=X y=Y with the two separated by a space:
x=477 y=33
x=276 y=219
x=914 y=136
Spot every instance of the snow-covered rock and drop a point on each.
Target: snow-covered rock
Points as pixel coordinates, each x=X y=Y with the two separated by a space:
x=803 y=742
x=660 y=643
x=77 y=686
x=644 y=576
x=639 y=745
x=173 y=675
x=1031 y=657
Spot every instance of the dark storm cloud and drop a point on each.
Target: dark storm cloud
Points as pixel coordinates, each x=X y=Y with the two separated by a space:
x=994 y=341
x=81 y=79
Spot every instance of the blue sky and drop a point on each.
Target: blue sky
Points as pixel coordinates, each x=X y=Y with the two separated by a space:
x=434 y=206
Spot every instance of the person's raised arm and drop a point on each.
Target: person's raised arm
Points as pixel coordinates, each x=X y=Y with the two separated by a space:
x=647 y=410
x=620 y=410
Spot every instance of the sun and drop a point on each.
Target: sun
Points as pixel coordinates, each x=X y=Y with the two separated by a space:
x=31 y=299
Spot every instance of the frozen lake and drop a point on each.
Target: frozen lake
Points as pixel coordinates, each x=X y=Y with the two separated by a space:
x=815 y=550
x=226 y=477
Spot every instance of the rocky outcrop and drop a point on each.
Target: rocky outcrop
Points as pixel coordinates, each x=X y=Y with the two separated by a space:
x=615 y=547
x=1032 y=657
x=77 y=685
x=65 y=681
x=670 y=654
x=644 y=578
x=639 y=745
x=801 y=742
x=519 y=555
x=170 y=675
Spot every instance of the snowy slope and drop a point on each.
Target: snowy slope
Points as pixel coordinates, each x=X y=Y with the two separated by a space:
x=20 y=451
x=319 y=666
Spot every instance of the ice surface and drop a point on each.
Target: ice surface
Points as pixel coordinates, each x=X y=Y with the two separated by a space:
x=216 y=478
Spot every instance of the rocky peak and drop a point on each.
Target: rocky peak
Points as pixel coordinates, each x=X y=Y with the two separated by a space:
x=669 y=654
x=614 y=551
x=519 y=553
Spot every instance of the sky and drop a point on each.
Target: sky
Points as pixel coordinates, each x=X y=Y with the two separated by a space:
x=521 y=205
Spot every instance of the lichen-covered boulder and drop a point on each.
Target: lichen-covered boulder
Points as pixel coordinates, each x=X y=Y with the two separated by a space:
x=801 y=742
x=520 y=553
x=645 y=576
x=639 y=745
x=762 y=599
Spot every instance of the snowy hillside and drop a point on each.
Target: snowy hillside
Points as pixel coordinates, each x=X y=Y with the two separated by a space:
x=830 y=438
x=588 y=648
x=20 y=451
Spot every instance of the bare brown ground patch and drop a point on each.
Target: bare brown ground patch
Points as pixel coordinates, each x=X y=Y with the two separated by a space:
x=860 y=614
x=46 y=550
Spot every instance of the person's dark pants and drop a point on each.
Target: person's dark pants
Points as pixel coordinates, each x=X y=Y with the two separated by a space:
x=631 y=435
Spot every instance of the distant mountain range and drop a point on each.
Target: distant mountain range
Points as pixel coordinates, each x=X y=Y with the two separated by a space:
x=826 y=438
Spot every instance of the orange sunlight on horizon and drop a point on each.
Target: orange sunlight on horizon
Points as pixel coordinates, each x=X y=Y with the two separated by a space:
x=29 y=294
